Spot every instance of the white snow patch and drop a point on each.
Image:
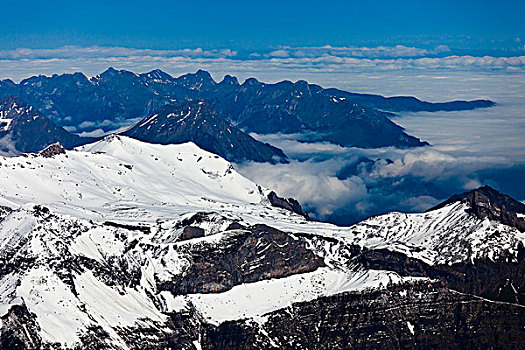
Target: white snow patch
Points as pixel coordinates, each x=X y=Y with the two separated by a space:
x=410 y=327
x=14 y=228
x=57 y=309
x=111 y=308
x=6 y=124
x=254 y=300
x=8 y=295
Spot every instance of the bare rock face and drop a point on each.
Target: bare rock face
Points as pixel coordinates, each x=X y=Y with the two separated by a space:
x=19 y=330
x=258 y=253
x=190 y=232
x=500 y=280
x=52 y=150
x=420 y=316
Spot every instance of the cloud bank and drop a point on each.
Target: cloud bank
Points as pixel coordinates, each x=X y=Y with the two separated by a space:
x=23 y=62
x=469 y=149
x=345 y=187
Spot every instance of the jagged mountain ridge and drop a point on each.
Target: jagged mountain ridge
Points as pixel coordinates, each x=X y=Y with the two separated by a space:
x=97 y=235
x=24 y=129
x=116 y=98
x=300 y=107
x=197 y=122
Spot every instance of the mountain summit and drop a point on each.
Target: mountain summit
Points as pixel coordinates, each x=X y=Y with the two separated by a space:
x=198 y=122
x=486 y=202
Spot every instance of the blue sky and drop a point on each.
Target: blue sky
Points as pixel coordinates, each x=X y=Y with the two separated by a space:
x=482 y=26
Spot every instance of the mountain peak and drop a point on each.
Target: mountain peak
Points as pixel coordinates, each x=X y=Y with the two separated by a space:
x=157 y=74
x=251 y=81
x=486 y=202
x=203 y=73
x=198 y=122
x=112 y=72
x=52 y=150
x=200 y=80
x=229 y=80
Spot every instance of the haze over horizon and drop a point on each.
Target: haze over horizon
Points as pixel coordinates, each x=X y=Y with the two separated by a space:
x=46 y=37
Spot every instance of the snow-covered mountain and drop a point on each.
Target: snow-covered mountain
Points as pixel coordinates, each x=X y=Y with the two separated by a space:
x=124 y=244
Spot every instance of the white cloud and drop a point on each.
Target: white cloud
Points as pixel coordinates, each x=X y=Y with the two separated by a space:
x=105 y=52
x=358 y=52
x=313 y=184
x=94 y=133
x=279 y=53
x=20 y=63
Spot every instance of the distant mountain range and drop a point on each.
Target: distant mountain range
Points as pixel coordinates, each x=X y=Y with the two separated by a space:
x=115 y=98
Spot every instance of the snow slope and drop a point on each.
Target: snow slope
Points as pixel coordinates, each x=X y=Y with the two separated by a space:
x=125 y=180
x=94 y=231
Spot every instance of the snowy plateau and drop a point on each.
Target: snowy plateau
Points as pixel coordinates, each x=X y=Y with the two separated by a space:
x=122 y=244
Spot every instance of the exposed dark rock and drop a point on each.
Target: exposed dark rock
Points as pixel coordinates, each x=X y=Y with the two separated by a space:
x=486 y=202
x=286 y=203
x=190 y=232
x=4 y=211
x=500 y=280
x=195 y=219
x=52 y=150
x=259 y=253
x=235 y=226
x=97 y=338
x=19 y=330
x=144 y=229
x=421 y=316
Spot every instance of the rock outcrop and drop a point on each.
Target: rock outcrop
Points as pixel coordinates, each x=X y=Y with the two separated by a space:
x=286 y=203
x=486 y=202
